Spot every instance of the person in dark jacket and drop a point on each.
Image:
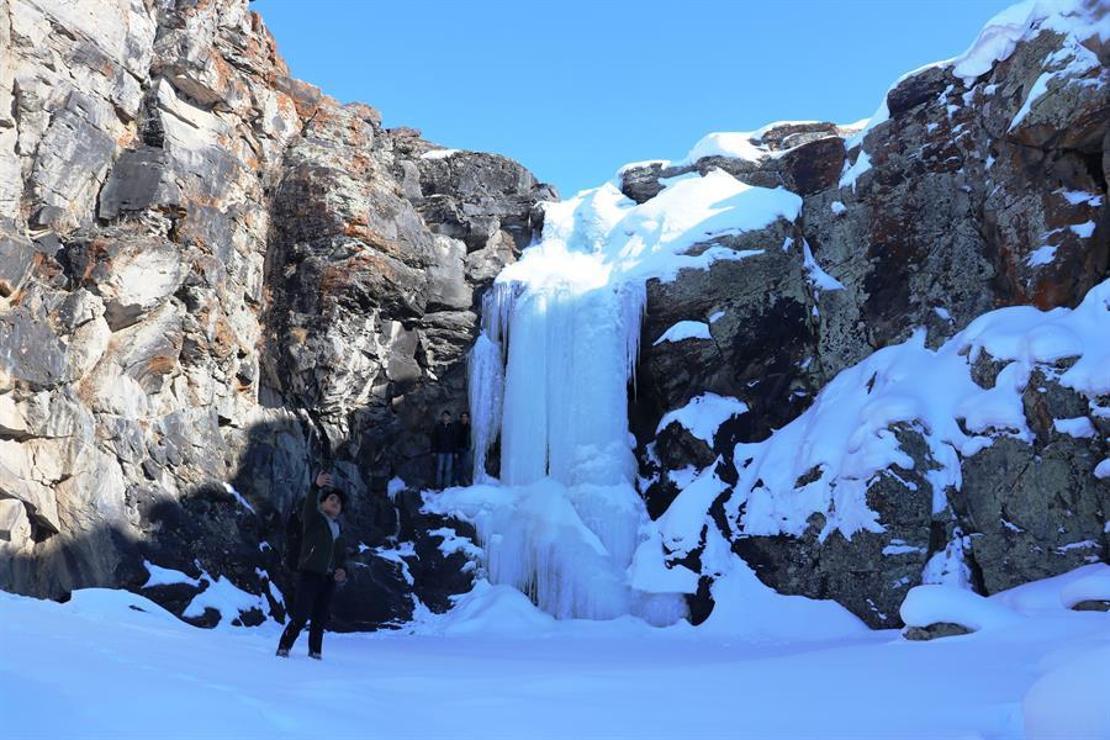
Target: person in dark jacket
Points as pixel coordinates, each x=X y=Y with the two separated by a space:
x=464 y=461
x=321 y=565
x=443 y=447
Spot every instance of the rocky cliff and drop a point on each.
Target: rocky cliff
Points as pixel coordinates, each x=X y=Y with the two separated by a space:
x=212 y=272
x=213 y=275
x=980 y=183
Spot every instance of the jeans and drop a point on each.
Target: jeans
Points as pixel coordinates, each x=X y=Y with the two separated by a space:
x=444 y=462
x=312 y=601
x=464 y=468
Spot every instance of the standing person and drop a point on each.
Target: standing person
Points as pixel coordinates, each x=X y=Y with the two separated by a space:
x=464 y=461
x=321 y=565
x=443 y=447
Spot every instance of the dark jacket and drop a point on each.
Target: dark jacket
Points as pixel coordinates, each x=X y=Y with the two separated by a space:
x=462 y=437
x=319 y=553
x=443 y=437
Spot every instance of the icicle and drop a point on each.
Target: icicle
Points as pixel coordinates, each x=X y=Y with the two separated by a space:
x=485 y=384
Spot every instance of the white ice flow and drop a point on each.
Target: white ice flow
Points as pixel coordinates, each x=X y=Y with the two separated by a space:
x=549 y=378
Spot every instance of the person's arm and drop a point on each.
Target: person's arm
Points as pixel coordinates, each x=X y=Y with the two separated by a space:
x=312 y=498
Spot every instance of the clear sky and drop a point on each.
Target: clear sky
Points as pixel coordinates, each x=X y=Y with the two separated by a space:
x=573 y=89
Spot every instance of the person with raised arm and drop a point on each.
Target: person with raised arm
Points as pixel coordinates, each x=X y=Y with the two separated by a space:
x=320 y=566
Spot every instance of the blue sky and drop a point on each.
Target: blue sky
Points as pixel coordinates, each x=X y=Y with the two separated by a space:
x=574 y=89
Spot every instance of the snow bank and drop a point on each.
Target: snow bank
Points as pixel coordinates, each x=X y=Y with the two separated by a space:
x=929 y=604
x=489 y=610
x=1069 y=702
x=1090 y=583
x=745 y=607
x=703 y=415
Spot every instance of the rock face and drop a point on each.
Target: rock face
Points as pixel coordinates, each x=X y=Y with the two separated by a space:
x=972 y=193
x=209 y=272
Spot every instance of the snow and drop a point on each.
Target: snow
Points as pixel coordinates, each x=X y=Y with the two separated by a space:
x=238 y=497
x=226 y=598
x=857 y=168
x=395 y=486
x=684 y=520
x=1003 y=32
x=684 y=330
x=1041 y=256
x=1089 y=583
x=1069 y=64
x=453 y=543
x=498 y=667
x=1083 y=230
x=1079 y=427
x=1102 y=470
x=731 y=144
x=932 y=603
x=1075 y=197
x=837 y=207
x=820 y=279
x=846 y=432
x=160 y=576
x=703 y=415
x=716 y=316
x=440 y=153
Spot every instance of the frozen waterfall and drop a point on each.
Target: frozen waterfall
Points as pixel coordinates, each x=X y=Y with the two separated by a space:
x=549 y=379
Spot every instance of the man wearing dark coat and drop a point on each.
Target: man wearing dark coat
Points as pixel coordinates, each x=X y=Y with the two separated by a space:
x=321 y=565
x=443 y=447
x=463 y=462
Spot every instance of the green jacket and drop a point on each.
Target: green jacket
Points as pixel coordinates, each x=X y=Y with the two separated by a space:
x=319 y=553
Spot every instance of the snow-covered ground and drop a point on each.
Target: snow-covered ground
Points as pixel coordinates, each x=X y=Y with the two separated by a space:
x=99 y=667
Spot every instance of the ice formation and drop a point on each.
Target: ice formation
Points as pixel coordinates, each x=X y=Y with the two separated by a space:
x=549 y=379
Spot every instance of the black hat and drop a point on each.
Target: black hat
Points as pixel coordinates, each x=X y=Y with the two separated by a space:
x=329 y=490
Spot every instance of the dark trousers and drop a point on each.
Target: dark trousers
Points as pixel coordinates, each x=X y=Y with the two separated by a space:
x=311 y=602
x=444 y=475
x=463 y=468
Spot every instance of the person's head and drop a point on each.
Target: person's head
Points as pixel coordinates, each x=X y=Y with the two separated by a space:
x=445 y=416
x=464 y=417
x=332 y=501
